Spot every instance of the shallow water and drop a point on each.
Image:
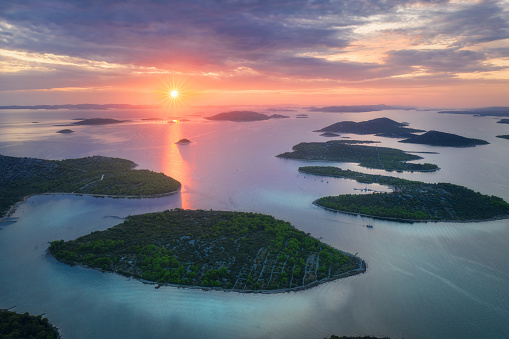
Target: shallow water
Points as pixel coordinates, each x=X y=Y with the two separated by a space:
x=427 y=280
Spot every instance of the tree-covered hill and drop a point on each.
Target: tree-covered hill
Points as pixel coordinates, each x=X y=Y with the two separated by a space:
x=229 y=250
x=92 y=175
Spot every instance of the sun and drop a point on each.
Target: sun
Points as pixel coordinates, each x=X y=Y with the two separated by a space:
x=173 y=94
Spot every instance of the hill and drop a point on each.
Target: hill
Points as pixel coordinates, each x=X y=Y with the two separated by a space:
x=235 y=251
x=374 y=126
x=436 y=138
x=239 y=116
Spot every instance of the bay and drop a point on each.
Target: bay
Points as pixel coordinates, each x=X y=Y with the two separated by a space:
x=424 y=280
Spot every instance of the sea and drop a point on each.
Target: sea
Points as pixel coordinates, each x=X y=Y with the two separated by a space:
x=423 y=280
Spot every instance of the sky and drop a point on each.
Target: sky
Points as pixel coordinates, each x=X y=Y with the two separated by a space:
x=432 y=53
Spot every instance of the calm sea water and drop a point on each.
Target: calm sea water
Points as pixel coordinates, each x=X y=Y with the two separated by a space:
x=426 y=280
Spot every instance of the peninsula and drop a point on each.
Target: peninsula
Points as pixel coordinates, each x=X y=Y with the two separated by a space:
x=503 y=121
x=96 y=175
x=389 y=159
x=503 y=136
x=436 y=138
x=411 y=200
x=384 y=126
x=234 y=251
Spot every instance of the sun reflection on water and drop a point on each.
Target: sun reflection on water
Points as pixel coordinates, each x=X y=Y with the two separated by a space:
x=176 y=163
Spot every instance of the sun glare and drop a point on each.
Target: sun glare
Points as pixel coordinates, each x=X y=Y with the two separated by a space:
x=173 y=94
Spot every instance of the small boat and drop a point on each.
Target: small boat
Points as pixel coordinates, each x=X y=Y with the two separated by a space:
x=369 y=226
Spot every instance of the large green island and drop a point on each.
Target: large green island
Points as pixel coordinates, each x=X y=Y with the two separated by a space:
x=97 y=175
x=389 y=159
x=411 y=200
x=234 y=251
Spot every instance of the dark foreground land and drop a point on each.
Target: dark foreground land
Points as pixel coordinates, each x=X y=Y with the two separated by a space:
x=15 y=325
x=389 y=159
x=243 y=252
x=22 y=177
x=411 y=200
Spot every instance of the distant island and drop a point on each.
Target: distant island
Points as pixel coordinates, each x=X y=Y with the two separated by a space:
x=375 y=126
x=22 y=177
x=329 y=135
x=503 y=136
x=65 y=131
x=239 y=116
x=436 y=138
x=389 y=159
x=411 y=200
x=24 y=325
x=97 y=121
x=503 y=121
x=278 y=116
x=359 y=108
x=183 y=142
x=82 y=107
x=234 y=251
x=485 y=111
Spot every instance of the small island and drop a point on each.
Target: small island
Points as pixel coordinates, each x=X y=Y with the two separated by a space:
x=329 y=135
x=22 y=177
x=16 y=325
x=233 y=251
x=279 y=116
x=66 y=131
x=503 y=121
x=183 y=142
x=239 y=116
x=97 y=121
x=382 y=126
x=503 y=136
x=436 y=138
x=389 y=159
x=411 y=200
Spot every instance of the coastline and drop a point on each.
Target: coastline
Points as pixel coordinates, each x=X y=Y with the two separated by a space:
x=12 y=209
x=410 y=220
x=361 y=268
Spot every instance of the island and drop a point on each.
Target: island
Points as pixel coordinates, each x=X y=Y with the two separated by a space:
x=66 y=131
x=279 y=116
x=484 y=111
x=436 y=138
x=97 y=121
x=503 y=121
x=97 y=175
x=183 y=142
x=503 y=136
x=382 y=126
x=239 y=116
x=329 y=135
x=359 y=108
x=389 y=159
x=411 y=200
x=302 y=116
x=231 y=251
x=16 y=325
x=83 y=107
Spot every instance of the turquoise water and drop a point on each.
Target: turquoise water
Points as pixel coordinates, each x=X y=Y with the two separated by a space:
x=430 y=280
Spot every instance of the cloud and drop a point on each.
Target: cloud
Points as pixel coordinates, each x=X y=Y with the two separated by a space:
x=441 y=60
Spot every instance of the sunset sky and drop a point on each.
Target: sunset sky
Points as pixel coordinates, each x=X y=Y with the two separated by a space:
x=350 y=52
